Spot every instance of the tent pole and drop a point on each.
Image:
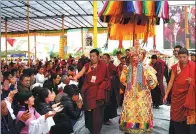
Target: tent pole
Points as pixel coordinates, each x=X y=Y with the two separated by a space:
x=63 y=29
x=82 y=39
x=95 y=23
x=186 y=27
x=29 y=55
x=35 y=46
x=62 y=41
x=133 y=29
x=6 y=40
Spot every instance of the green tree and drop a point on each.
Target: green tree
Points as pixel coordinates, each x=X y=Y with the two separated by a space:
x=117 y=49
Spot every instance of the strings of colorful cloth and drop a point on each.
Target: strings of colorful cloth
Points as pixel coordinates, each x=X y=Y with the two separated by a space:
x=123 y=14
x=157 y=9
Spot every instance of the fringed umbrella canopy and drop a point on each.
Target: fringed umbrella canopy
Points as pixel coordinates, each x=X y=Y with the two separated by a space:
x=128 y=18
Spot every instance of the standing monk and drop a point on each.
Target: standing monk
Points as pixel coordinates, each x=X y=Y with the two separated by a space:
x=122 y=87
x=158 y=92
x=96 y=83
x=112 y=94
x=182 y=86
x=173 y=60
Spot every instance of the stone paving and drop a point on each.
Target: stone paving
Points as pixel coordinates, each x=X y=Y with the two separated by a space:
x=161 y=119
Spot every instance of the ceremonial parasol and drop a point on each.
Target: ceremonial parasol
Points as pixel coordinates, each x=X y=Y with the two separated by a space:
x=129 y=18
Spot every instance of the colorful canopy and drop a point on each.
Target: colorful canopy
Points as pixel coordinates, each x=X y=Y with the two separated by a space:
x=128 y=18
x=114 y=11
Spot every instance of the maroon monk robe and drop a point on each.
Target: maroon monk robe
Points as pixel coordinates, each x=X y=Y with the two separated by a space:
x=115 y=80
x=159 y=67
x=94 y=95
x=122 y=87
x=112 y=94
x=183 y=93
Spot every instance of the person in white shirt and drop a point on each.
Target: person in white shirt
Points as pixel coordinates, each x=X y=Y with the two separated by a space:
x=174 y=59
x=117 y=60
x=40 y=78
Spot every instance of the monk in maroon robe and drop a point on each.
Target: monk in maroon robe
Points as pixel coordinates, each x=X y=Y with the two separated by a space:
x=96 y=83
x=112 y=94
x=182 y=86
x=122 y=87
x=159 y=92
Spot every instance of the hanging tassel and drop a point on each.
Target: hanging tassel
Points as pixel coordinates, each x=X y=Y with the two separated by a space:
x=146 y=35
x=120 y=46
x=154 y=41
x=134 y=29
x=108 y=35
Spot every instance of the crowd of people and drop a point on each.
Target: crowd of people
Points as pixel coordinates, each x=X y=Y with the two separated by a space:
x=55 y=96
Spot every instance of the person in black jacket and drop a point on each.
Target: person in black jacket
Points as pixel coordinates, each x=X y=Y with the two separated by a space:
x=44 y=104
x=45 y=101
x=8 y=125
x=72 y=104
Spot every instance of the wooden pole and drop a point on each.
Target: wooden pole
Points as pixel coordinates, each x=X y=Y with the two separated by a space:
x=35 y=46
x=133 y=29
x=63 y=32
x=82 y=39
x=95 y=23
x=6 y=39
x=62 y=41
x=29 y=55
x=186 y=27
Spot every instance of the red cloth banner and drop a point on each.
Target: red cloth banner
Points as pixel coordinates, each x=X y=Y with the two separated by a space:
x=11 y=41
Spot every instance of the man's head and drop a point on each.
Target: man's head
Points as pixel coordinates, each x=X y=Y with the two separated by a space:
x=183 y=56
x=106 y=58
x=193 y=57
x=176 y=50
x=83 y=56
x=154 y=59
x=7 y=75
x=127 y=52
x=49 y=64
x=30 y=72
x=123 y=60
x=119 y=54
x=25 y=80
x=6 y=85
x=72 y=91
x=4 y=110
x=94 y=56
x=40 y=69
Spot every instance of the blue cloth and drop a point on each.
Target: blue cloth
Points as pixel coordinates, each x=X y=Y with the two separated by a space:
x=130 y=7
x=73 y=122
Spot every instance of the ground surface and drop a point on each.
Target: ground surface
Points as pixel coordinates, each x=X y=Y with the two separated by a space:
x=161 y=119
